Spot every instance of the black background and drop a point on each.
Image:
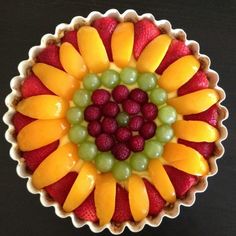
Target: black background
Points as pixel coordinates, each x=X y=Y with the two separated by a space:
x=211 y=23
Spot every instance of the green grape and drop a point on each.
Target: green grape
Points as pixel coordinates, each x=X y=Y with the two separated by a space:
x=104 y=161
x=121 y=170
x=147 y=81
x=122 y=119
x=110 y=78
x=139 y=162
x=164 y=133
x=91 y=82
x=153 y=149
x=81 y=98
x=78 y=134
x=167 y=114
x=74 y=115
x=129 y=75
x=158 y=96
x=87 y=151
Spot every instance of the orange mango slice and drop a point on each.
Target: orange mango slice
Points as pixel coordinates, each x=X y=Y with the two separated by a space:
x=178 y=73
x=55 y=166
x=195 y=131
x=122 y=42
x=153 y=53
x=43 y=107
x=195 y=102
x=82 y=187
x=40 y=133
x=92 y=49
x=138 y=198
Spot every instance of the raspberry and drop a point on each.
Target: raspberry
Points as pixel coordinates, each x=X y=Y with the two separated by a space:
x=123 y=134
x=120 y=93
x=136 y=123
x=94 y=128
x=138 y=95
x=121 y=151
x=109 y=125
x=131 y=107
x=92 y=112
x=148 y=130
x=104 y=142
x=149 y=111
x=100 y=96
x=136 y=143
x=110 y=109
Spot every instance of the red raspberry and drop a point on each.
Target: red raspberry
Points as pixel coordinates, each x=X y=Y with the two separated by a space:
x=123 y=134
x=135 y=123
x=110 y=109
x=138 y=95
x=109 y=125
x=104 y=142
x=94 y=128
x=148 y=130
x=100 y=96
x=136 y=143
x=92 y=112
x=131 y=107
x=121 y=151
x=120 y=93
x=149 y=111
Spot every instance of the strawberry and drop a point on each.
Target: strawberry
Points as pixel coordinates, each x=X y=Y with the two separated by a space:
x=122 y=209
x=204 y=148
x=105 y=27
x=35 y=157
x=87 y=210
x=71 y=37
x=32 y=86
x=20 y=121
x=176 y=50
x=197 y=82
x=156 y=202
x=181 y=181
x=210 y=116
x=50 y=56
x=144 y=32
x=59 y=190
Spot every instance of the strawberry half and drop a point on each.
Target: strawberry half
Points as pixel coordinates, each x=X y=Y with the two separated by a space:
x=176 y=50
x=71 y=37
x=144 y=32
x=197 y=82
x=20 y=121
x=105 y=27
x=156 y=202
x=181 y=181
x=35 y=157
x=58 y=191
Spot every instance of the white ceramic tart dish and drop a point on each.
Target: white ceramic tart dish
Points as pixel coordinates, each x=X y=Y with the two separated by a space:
x=171 y=210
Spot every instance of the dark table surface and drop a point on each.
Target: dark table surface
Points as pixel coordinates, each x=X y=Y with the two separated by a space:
x=211 y=23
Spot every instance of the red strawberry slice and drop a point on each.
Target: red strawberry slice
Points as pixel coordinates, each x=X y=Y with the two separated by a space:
x=59 y=190
x=32 y=86
x=177 y=49
x=50 y=56
x=87 y=210
x=35 y=157
x=181 y=181
x=210 y=116
x=105 y=27
x=197 y=82
x=204 y=148
x=71 y=37
x=144 y=32
x=156 y=202
x=122 y=208
x=20 y=121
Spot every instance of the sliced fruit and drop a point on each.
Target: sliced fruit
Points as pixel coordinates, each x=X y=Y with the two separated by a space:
x=56 y=80
x=105 y=197
x=20 y=121
x=195 y=131
x=138 y=198
x=153 y=53
x=122 y=42
x=55 y=166
x=92 y=49
x=40 y=133
x=82 y=187
x=71 y=37
x=195 y=102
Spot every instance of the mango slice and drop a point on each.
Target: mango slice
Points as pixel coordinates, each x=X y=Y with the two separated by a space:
x=82 y=187
x=138 y=198
x=195 y=131
x=40 y=133
x=55 y=166
x=178 y=73
x=43 y=107
x=58 y=81
x=195 y=102
x=153 y=53
x=122 y=42
x=92 y=49
x=105 y=197
x=161 y=180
